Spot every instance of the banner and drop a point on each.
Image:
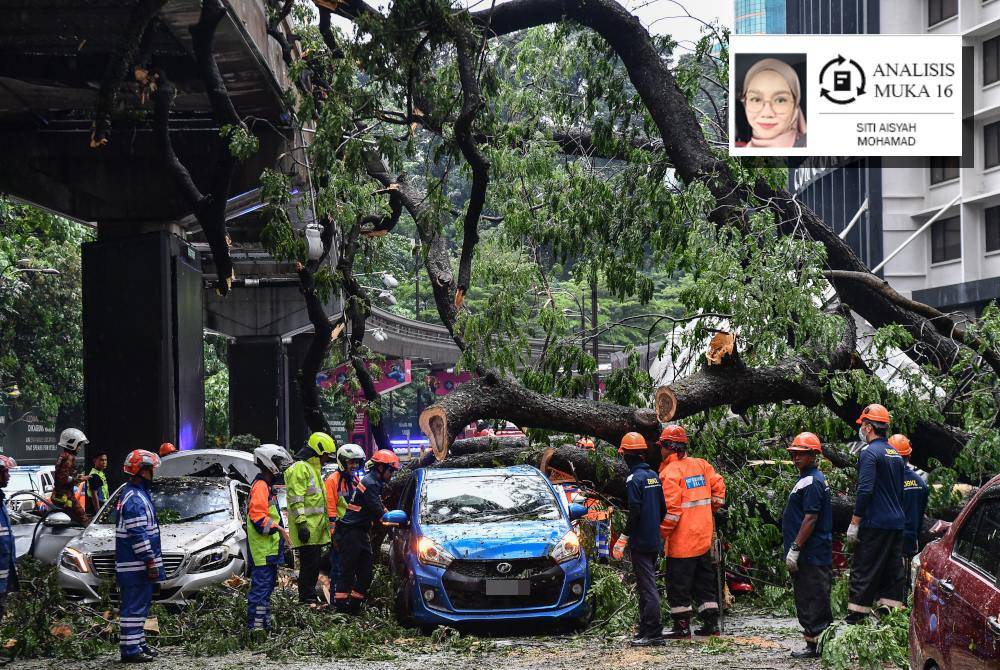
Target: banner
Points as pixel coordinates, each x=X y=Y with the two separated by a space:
x=26 y=438
x=395 y=374
x=443 y=383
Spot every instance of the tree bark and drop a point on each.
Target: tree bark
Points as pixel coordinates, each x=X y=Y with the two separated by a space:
x=323 y=334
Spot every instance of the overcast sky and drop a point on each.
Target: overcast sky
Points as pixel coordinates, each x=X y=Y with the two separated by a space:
x=659 y=16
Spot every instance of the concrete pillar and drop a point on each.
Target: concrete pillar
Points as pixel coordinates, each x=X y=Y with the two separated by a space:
x=142 y=339
x=258 y=402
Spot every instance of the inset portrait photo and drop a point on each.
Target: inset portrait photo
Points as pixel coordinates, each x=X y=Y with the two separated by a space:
x=770 y=95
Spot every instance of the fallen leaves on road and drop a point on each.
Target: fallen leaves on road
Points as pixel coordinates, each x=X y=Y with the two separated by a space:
x=61 y=631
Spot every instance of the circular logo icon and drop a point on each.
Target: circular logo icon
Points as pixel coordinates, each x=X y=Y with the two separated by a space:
x=842 y=80
x=504 y=568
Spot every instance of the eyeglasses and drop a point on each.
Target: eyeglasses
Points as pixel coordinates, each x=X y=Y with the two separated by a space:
x=780 y=104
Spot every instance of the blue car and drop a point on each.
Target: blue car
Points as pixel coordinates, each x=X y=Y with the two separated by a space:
x=487 y=546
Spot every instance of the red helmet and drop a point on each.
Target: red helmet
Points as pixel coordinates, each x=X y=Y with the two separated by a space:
x=806 y=442
x=386 y=457
x=166 y=449
x=633 y=442
x=585 y=443
x=673 y=433
x=138 y=459
x=901 y=444
x=7 y=462
x=875 y=413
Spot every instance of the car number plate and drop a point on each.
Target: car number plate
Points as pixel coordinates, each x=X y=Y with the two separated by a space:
x=508 y=587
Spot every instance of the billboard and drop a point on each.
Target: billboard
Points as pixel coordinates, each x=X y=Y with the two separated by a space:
x=27 y=438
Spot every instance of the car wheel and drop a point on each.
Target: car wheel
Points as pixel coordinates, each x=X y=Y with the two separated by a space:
x=403 y=606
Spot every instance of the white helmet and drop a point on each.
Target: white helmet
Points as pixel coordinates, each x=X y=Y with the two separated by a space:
x=72 y=439
x=349 y=452
x=272 y=457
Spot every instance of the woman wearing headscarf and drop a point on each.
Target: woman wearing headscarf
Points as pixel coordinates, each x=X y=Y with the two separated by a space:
x=771 y=98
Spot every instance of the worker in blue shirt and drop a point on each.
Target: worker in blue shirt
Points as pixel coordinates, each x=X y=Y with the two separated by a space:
x=877 y=569
x=915 y=495
x=807 y=531
x=138 y=563
x=8 y=575
x=646 y=509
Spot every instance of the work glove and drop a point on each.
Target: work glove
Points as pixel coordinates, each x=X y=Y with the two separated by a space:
x=618 y=551
x=852 y=533
x=303 y=533
x=152 y=572
x=792 y=559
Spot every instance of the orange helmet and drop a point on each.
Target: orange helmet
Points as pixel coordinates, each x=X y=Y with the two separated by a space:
x=138 y=459
x=633 y=442
x=674 y=433
x=875 y=413
x=7 y=462
x=586 y=443
x=901 y=444
x=806 y=442
x=166 y=449
x=386 y=457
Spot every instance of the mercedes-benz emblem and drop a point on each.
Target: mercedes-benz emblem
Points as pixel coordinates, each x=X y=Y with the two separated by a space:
x=504 y=568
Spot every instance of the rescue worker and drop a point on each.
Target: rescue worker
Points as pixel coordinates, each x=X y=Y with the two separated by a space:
x=8 y=573
x=138 y=564
x=266 y=537
x=693 y=491
x=96 y=488
x=307 y=514
x=807 y=530
x=340 y=487
x=914 y=501
x=166 y=449
x=645 y=512
x=878 y=523
x=352 y=538
x=70 y=441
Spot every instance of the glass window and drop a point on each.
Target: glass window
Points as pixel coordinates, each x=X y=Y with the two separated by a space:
x=946 y=240
x=991 y=60
x=944 y=168
x=992 y=225
x=487 y=499
x=979 y=538
x=939 y=10
x=991 y=144
x=181 y=501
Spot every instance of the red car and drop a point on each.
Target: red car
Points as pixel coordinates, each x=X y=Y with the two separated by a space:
x=955 y=620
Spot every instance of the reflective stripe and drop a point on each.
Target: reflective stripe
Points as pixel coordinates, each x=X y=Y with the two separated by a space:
x=311 y=490
x=716 y=499
x=296 y=499
x=708 y=606
x=889 y=602
x=361 y=487
x=679 y=610
x=357 y=595
x=4 y=531
x=672 y=517
x=354 y=508
x=697 y=503
x=314 y=510
x=860 y=609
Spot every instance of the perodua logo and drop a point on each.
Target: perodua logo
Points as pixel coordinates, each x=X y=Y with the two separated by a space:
x=504 y=568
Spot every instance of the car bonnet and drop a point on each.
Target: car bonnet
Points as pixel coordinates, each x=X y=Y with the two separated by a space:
x=508 y=539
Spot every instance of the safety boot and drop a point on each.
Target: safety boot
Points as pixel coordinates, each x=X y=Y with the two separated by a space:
x=810 y=651
x=709 y=625
x=141 y=657
x=681 y=629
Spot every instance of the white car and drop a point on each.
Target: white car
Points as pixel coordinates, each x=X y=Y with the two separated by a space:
x=26 y=479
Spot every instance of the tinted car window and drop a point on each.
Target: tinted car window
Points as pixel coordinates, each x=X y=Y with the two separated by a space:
x=979 y=538
x=19 y=481
x=177 y=501
x=487 y=499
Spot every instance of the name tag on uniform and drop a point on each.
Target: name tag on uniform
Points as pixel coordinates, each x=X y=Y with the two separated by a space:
x=695 y=481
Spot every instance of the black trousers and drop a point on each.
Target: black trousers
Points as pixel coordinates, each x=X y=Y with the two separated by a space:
x=692 y=581
x=878 y=575
x=356 y=561
x=644 y=565
x=811 y=585
x=309 y=562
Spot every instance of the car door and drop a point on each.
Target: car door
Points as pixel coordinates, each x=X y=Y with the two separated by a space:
x=401 y=535
x=969 y=591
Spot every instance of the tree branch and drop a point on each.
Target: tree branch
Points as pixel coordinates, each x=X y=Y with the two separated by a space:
x=323 y=334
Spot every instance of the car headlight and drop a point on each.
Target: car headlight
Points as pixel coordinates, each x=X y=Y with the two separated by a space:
x=74 y=560
x=431 y=553
x=212 y=558
x=566 y=548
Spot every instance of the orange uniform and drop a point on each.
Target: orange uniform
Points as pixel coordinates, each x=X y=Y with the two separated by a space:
x=692 y=490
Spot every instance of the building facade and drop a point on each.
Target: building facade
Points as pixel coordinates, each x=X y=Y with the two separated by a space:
x=760 y=16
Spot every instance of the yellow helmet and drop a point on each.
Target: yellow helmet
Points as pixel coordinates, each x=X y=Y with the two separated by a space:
x=322 y=443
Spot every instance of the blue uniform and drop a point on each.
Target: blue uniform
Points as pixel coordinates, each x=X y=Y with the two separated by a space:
x=880 y=487
x=914 y=506
x=810 y=495
x=646 y=508
x=365 y=505
x=353 y=544
x=137 y=542
x=8 y=576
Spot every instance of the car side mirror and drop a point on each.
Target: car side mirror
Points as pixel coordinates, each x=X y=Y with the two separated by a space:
x=396 y=517
x=940 y=528
x=58 y=520
x=577 y=511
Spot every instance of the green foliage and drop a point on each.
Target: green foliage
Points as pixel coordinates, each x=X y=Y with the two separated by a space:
x=243 y=443
x=877 y=642
x=216 y=391
x=242 y=143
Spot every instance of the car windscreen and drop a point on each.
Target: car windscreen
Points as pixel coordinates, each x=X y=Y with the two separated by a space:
x=19 y=481
x=179 y=501
x=486 y=499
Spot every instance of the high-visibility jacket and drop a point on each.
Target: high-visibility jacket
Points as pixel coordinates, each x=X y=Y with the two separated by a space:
x=339 y=488
x=263 y=520
x=8 y=574
x=95 y=477
x=692 y=490
x=137 y=537
x=307 y=502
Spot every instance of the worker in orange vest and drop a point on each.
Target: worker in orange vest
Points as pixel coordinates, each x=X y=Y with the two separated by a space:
x=693 y=491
